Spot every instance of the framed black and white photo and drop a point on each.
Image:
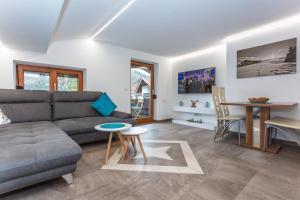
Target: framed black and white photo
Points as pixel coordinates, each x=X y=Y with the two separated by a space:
x=267 y=60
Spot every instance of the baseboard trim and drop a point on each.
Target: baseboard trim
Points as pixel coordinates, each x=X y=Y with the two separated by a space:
x=162 y=120
x=156 y=121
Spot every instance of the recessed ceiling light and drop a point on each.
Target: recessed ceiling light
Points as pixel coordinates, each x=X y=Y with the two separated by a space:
x=112 y=19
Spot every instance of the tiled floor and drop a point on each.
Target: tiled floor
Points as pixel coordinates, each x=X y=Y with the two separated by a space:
x=230 y=172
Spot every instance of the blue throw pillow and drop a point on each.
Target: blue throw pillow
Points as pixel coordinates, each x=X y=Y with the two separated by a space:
x=104 y=105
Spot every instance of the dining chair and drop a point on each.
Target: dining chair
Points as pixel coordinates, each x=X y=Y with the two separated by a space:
x=281 y=124
x=224 y=119
x=138 y=107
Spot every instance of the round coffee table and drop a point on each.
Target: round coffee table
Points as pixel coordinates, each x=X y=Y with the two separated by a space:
x=130 y=135
x=112 y=128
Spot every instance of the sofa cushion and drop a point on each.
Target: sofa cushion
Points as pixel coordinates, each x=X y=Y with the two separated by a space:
x=121 y=115
x=27 y=112
x=67 y=110
x=26 y=106
x=104 y=105
x=68 y=105
x=32 y=147
x=9 y=96
x=86 y=96
x=87 y=124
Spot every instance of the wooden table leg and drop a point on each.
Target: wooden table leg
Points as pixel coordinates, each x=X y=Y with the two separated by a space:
x=127 y=143
x=141 y=146
x=122 y=142
x=108 y=147
x=264 y=116
x=249 y=125
x=133 y=145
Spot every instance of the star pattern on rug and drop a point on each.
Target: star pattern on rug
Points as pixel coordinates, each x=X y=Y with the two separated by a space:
x=156 y=152
x=192 y=167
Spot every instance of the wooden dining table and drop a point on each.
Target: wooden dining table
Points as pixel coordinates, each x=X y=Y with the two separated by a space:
x=264 y=110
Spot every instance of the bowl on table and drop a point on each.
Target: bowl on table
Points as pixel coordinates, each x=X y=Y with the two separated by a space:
x=259 y=99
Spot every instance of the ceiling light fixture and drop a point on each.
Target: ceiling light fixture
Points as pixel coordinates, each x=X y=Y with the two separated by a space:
x=264 y=28
x=113 y=19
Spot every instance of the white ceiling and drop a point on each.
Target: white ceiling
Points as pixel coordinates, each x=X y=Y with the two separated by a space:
x=28 y=25
x=83 y=17
x=162 y=27
x=174 y=27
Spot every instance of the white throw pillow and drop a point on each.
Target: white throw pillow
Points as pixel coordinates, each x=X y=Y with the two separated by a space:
x=3 y=118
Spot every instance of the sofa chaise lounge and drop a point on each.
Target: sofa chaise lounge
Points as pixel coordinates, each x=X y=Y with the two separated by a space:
x=42 y=141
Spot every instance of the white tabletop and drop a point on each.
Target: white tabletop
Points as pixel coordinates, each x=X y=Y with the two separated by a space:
x=99 y=128
x=134 y=131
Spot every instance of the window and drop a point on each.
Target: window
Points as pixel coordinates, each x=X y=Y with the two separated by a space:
x=66 y=82
x=36 y=80
x=49 y=79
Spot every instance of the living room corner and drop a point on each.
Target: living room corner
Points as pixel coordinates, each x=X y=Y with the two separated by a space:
x=147 y=100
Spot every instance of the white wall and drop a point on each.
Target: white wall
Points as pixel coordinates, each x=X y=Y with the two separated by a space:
x=279 y=88
x=107 y=68
x=216 y=59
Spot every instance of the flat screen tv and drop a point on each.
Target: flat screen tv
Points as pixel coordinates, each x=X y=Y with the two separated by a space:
x=196 y=81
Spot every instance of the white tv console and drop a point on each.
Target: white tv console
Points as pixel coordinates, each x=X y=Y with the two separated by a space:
x=181 y=115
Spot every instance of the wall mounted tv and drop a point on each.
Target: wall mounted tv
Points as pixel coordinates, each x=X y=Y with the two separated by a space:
x=196 y=81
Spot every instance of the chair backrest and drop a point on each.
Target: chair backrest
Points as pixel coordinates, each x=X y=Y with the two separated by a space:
x=223 y=99
x=218 y=95
x=217 y=101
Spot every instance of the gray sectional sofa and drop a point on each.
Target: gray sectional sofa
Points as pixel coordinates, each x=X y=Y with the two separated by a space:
x=72 y=112
x=42 y=141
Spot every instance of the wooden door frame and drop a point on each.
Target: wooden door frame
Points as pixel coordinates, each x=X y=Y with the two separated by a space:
x=151 y=66
x=21 y=68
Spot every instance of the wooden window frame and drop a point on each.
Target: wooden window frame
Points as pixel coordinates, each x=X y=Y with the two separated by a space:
x=53 y=72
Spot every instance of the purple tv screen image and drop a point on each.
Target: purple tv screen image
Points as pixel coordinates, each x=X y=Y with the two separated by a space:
x=196 y=81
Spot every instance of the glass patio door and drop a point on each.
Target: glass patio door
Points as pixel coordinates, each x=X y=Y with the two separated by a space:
x=142 y=91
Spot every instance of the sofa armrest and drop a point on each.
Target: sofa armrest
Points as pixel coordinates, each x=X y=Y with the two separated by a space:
x=121 y=115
